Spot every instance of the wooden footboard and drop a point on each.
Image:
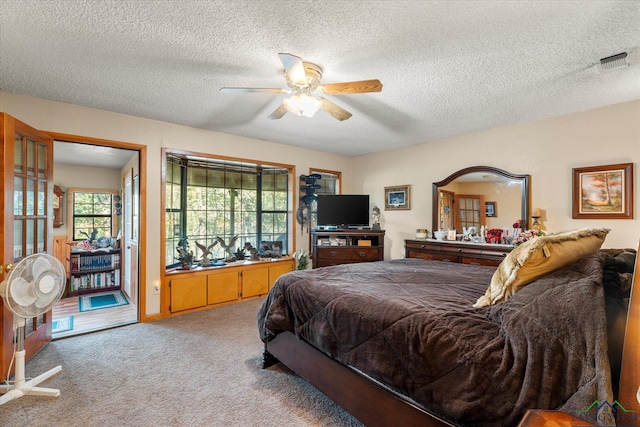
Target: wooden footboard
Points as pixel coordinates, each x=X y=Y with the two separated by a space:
x=366 y=400
x=629 y=391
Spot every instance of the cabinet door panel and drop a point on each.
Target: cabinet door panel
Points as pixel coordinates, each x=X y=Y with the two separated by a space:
x=222 y=287
x=188 y=293
x=278 y=270
x=255 y=282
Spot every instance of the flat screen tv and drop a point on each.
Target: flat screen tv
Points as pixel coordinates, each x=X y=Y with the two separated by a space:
x=343 y=210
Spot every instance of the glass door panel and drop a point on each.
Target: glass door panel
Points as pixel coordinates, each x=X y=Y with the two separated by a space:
x=42 y=198
x=27 y=173
x=31 y=198
x=40 y=235
x=30 y=203
x=17 y=238
x=18 y=161
x=31 y=154
x=18 y=199
x=42 y=161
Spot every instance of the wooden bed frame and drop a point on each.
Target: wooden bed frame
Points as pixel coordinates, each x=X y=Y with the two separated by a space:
x=375 y=405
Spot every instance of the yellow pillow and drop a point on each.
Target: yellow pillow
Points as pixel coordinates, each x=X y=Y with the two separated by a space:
x=537 y=257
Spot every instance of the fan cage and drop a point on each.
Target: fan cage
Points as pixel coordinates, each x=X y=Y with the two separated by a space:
x=44 y=275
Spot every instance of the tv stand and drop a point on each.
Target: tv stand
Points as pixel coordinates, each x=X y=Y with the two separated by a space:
x=346 y=246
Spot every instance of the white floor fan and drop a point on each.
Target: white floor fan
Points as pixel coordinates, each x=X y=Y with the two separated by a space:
x=31 y=288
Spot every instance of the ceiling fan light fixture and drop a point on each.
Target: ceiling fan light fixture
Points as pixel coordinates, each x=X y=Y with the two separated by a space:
x=303 y=104
x=303 y=81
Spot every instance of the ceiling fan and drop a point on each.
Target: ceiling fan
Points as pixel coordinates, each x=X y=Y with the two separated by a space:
x=303 y=81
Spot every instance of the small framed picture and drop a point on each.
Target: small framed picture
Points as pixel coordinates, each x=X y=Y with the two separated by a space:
x=491 y=209
x=397 y=198
x=603 y=192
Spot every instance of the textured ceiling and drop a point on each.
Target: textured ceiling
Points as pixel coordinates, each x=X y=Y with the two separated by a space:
x=447 y=68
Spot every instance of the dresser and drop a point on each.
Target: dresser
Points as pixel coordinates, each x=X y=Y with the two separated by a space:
x=333 y=247
x=454 y=251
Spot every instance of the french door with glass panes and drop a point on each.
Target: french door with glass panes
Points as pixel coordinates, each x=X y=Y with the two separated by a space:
x=26 y=218
x=470 y=211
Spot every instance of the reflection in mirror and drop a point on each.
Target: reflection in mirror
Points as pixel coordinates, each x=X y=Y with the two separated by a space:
x=480 y=196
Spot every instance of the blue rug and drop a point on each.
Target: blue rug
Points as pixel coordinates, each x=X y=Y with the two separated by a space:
x=62 y=324
x=104 y=300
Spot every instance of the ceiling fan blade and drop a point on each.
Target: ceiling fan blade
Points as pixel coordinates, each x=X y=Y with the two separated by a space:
x=279 y=112
x=294 y=68
x=250 y=90
x=361 y=86
x=335 y=110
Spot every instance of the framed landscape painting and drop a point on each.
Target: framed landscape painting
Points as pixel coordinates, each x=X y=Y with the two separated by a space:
x=603 y=192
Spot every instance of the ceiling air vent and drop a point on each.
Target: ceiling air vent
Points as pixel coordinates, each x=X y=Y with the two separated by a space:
x=614 y=61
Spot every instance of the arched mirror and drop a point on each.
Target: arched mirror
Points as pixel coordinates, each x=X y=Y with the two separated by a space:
x=480 y=195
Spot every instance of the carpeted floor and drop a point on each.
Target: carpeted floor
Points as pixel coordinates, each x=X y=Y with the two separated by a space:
x=198 y=369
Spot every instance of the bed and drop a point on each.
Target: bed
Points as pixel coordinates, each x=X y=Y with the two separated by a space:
x=401 y=343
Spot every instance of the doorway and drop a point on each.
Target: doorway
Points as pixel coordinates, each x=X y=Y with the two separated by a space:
x=80 y=168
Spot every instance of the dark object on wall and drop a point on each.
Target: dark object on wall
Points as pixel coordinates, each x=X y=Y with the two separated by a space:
x=117 y=204
x=309 y=187
x=58 y=196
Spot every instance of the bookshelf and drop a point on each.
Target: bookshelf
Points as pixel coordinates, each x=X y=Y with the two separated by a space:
x=93 y=271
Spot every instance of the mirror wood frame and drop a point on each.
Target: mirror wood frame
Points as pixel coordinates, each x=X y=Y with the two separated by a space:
x=523 y=179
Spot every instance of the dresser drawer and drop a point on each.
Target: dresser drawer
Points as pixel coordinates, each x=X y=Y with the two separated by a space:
x=418 y=246
x=432 y=256
x=462 y=252
x=349 y=254
x=480 y=261
x=499 y=254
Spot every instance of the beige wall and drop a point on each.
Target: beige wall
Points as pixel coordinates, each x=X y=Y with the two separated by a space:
x=76 y=120
x=70 y=176
x=546 y=149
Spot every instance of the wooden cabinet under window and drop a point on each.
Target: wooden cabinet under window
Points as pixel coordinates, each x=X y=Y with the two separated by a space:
x=208 y=287
x=93 y=271
x=462 y=252
x=334 y=247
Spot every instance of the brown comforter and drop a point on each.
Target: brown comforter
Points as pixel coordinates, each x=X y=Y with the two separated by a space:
x=410 y=325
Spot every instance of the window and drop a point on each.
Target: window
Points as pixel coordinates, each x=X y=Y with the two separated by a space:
x=211 y=201
x=92 y=213
x=330 y=183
